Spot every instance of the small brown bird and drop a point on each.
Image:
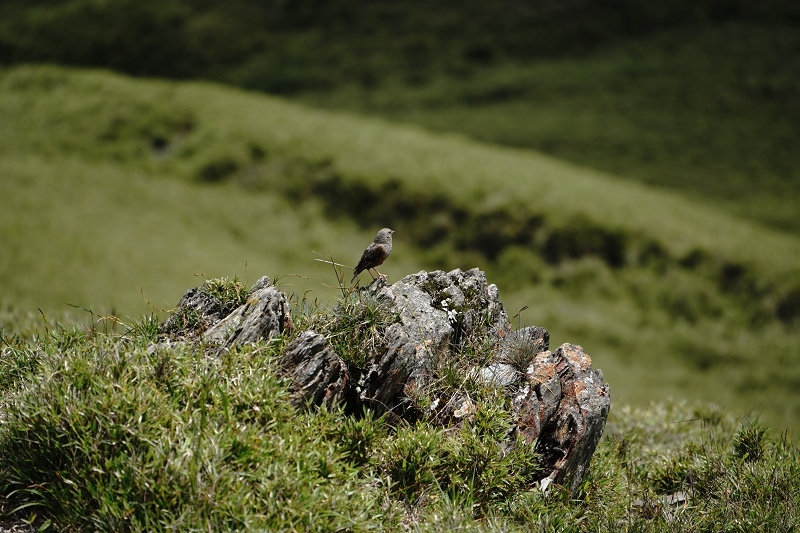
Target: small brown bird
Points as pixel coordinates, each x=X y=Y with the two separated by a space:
x=375 y=254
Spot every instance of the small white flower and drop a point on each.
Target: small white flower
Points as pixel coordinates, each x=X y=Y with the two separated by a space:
x=452 y=315
x=434 y=404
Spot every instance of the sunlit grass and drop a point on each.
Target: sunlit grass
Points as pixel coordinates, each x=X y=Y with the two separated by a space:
x=118 y=241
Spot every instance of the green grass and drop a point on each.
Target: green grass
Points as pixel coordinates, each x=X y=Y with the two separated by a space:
x=120 y=193
x=354 y=326
x=101 y=429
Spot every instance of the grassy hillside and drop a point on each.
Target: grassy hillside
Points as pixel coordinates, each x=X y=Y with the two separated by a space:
x=692 y=96
x=117 y=192
x=102 y=430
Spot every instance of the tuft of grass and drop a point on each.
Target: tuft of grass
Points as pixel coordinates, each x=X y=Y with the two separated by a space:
x=749 y=442
x=355 y=326
x=522 y=348
x=359 y=435
x=18 y=361
x=230 y=293
x=145 y=329
x=409 y=459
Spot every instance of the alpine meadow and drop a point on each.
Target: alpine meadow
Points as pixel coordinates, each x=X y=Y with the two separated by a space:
x=625 y=175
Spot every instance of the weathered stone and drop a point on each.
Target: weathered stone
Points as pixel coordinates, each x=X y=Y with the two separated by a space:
x=559 y=403
x=569 y=438
x=319 y=376
x=500 y=375
x=196 y=312
x=264 y=314
x=438 y=312
x=538 y=400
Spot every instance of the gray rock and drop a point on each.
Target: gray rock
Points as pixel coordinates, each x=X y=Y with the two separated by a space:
x=559 y=403
x=264 y=314
x=538 y=400
x=500 y=375
x=195 y=312
x=319 y=376
x=562 y=405
x=439 y=312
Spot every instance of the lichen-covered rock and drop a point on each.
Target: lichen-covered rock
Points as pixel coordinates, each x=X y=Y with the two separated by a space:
x=471 y=305
x=318 y=375
x=568 y=439
x=559 y=403
x=538 y=399
x=438 y=312
x=264 y=314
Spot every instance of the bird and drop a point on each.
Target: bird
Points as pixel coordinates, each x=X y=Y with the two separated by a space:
x=375 y=254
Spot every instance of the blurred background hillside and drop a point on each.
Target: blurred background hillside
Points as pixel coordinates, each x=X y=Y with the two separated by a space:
x=627 y=171
x=697 y=96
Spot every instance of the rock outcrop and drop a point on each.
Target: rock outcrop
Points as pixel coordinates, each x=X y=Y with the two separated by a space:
x=264 y=314
x=559 y=402
x=569 y=437
x=196 y=312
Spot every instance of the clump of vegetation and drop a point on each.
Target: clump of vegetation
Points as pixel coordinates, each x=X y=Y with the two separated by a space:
x=520 y=350
x=230 y=293
x=355 y=326
x=425 y=463
x=122 y=437
x=749 y=442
